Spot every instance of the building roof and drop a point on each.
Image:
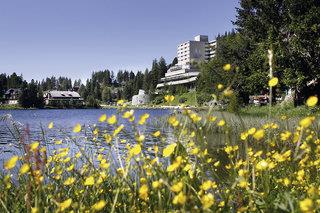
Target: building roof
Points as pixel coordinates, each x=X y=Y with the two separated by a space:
x=63 y=94
x=12 y=91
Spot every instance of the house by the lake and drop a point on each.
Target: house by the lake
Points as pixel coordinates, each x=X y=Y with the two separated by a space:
x=63 y=99
x=11 y=96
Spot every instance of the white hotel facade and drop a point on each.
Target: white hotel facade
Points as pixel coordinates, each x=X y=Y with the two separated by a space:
x=189 y=54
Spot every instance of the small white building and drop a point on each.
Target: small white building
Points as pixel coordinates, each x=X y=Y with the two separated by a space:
x=141 y=99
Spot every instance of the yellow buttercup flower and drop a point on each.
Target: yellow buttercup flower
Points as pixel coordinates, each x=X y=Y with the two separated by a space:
x=89 y=181
x=312 y=101
x=136 y=150
x=112 y=120
x=207 y=201
x=11 y=163
x=306 y=122
x=99 y=205
x=258 y=135
x=227 y=67
x=220 y=86
x=50 y=125
x=306 y=205
x=273 y=82
x=169 y=98
x=143 y=192
x=206 y=185
x=169 y=150
x=177 y=187
x=179 y=199
x=34 y=146
x=69 y=181
x=34 y=210
x=65 y=204
x=221 y=123
x=24 y=169
x=103 y=118
x=156 y=134
x=143 y=119
x=77 y=128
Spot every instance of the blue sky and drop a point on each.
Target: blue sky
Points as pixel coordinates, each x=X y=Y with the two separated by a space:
x=72 y=38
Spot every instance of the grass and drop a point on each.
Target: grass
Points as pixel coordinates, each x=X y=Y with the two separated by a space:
x=207 y=162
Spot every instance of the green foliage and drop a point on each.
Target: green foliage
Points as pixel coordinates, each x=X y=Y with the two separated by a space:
x=203 y=98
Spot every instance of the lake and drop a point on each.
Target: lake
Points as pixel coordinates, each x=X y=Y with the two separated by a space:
x=33 y=126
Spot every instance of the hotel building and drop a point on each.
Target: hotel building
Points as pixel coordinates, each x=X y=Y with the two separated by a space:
x=189 y=54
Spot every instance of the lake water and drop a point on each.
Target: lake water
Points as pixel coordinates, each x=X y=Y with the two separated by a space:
x=33 y=126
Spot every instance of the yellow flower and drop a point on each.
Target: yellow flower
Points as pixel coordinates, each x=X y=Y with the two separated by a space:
x=177 y=187
x=65 y=204
x=69 y=181
x=312 y=101
x=258 y=135
x=206 y=185
x=262 y=165
x=169 y=150
x=50 y=125
x=99 y=205
x=120 y=102
x=77 y=128
x=11 y=163
x=156 y=184
x=221 y=123
x=306 y=122
x=252 y=131
x=140 y=138
x=143 y=192
x=112 y=120
x=243 y=184
x=227 y=67
x=34 y=210
x=207 y=201
x=34 y=146
x=89 y=181
x=128 y=114
x=169 y=98
x=156 y=134
x=136 y=150
x=220 y=86
x=24 y=169
x=273 y=82
x=143 y=119
x=306 y=205
x=103 y=118
x=118 y=130
x=179 y=199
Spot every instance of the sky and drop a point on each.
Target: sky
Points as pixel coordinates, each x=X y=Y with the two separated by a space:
x=73 y=38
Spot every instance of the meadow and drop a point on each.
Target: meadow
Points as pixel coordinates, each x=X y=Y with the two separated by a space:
x=208 y=162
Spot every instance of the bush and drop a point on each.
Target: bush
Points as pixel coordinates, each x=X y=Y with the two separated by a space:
x=203 y=98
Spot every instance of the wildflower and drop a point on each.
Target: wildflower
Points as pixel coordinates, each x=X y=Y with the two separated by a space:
x=252 y=131
x=34 y=146
x=140 y=138
x=306 y=205
x=220 y=86
x=169 y=98
x=306 y=122
x=312 y=101
x=273 y=82
x=173 y=121
x=34 y=210
x=244 y=136
x=136 y=150
x=262 y=165
x=169 y=150
x=77 y=128
x=195 y=118
x=128 y=114
x=50 y=125
x=103 y=118
x=212 y=118
x=175 y=164
x=156 y=134
x=65 y=204
x=258 y=135
x=286 y=182
x=216 y=164
x=228 y=92
x=179 y=199
x=300 y=175
x=227 y=67
x=11 y=163
x=112 y=120
x=156 y=184
x=143 y=119
x=285 y=135
x=118 y=130
x=207 y=201
x=24 y=169
x=206 y=185
x=78 y=155
x=99 y=205
x=69 y=181
x=177 y=187
x=89 y=181
x=221 y=123
x=120 y=102
x=243 y=184
x=143 y=192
